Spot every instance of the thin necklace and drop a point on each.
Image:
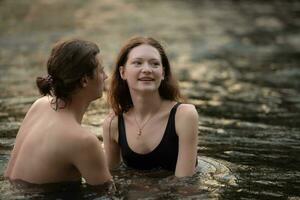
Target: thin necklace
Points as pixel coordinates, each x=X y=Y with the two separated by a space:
x=144 y=124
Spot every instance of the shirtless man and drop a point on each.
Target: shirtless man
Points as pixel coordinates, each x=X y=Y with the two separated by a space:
x=51 y=146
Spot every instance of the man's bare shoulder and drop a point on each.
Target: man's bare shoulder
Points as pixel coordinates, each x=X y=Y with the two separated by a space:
x=36 y=110
x=78 y=140
x=40 y=103
x=81 y=136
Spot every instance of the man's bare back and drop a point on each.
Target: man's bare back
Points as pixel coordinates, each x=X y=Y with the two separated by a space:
x=51 y=146
x=43 y=149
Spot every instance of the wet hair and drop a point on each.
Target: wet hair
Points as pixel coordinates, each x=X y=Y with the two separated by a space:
x=68 y=62
x=119 y=96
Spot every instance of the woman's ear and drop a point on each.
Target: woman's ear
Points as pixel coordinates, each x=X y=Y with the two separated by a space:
x=84 y=81
x=122 y=72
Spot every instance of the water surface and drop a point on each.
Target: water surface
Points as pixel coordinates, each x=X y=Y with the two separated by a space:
x=237 y=62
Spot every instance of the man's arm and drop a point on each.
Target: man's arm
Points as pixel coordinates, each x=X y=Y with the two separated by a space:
x=90 y=160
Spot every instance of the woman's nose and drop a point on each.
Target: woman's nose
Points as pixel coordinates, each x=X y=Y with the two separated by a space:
x=146 y=67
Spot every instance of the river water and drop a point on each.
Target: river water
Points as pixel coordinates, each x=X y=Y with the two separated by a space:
x=237 y=62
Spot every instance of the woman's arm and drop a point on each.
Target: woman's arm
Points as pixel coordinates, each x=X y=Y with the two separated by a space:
x=186 y=123
x=110 y=138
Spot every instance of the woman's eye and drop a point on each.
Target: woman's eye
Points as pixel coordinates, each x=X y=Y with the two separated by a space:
x=137 y=63
x=155 y=64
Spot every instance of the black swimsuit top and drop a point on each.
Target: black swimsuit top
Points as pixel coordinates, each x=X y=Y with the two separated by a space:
x=163 y=156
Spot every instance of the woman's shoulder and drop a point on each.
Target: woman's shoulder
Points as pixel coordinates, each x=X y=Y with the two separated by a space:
x=185 y=108
x=186 y=120
x=111 y=120
x=187 y=112
x=110 y=123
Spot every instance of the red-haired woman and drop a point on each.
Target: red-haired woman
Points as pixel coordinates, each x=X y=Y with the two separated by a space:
x=149 y=128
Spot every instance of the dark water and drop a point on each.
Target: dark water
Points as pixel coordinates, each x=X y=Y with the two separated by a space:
x=237 y=61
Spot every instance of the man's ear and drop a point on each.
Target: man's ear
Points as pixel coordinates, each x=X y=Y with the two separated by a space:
x=122 y=72
x=84 y=81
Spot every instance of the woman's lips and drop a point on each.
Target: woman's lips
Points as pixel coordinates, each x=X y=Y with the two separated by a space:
x=145 y=79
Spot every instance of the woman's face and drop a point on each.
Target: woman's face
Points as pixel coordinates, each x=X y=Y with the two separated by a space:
x=143 y=70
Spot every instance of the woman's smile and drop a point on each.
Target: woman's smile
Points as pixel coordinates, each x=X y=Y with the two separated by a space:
x=146 y=79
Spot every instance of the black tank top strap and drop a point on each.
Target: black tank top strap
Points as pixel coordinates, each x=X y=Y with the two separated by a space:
x=174 y=109
x=121 y=127
x=176 y=105
x=171 y=122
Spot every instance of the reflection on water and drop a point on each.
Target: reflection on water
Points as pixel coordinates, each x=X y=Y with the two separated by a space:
x=22 y=190
x=237 y=61
x=209 y=182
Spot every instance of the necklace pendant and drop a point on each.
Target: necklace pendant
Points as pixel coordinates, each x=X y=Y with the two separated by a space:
x=140 y=132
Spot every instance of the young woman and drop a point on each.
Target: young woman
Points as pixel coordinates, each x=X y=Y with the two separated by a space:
x=51 y=146
x=149 y=128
